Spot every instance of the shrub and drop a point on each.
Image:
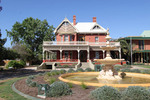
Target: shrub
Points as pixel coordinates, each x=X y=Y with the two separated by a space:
x=31 y=77
x=65 y=66
x=51 y=80
x=70 y=85
x=117 y=68
x=55 y=72
x=135 y=93
x=105 y=93
x=135 y=70
x=48 y=74
x=28 y=81
x=22 y=63
x=40 y=74
x=88 y=70
x=62 y=71
x=33 y=84
x=59 y=88
x=145 y=71
x=84 y=86
x=15 y=64
x=71 y=70
x=126 y=70
x=80 y=70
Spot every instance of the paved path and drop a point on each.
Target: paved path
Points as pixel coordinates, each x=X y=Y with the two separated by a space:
x=7 y=74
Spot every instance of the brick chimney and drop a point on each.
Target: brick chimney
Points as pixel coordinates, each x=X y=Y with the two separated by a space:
x=94 y=19
x=74 y=20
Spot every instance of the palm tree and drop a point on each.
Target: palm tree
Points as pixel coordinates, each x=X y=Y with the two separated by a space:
x=126 y=49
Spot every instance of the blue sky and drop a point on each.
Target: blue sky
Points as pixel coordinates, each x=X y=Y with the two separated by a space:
x=122 y=17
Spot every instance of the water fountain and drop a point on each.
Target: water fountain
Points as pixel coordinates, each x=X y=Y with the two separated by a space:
x=108 y=71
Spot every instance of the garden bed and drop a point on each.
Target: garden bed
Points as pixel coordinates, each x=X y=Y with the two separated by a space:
x=78 y=91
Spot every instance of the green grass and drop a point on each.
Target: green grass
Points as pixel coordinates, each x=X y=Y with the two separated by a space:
x=144 y=66
x=6 y=91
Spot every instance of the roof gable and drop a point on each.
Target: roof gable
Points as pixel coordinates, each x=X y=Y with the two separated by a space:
x=65 y=27
x=146 y=33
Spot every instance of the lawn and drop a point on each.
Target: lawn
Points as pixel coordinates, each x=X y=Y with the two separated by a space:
x=6 y=91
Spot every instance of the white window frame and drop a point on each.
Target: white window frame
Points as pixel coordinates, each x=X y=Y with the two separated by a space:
x=61 y=38
x=97 y=39
x=66 y=38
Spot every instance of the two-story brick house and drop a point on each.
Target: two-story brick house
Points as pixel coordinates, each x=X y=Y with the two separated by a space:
x=77 y=42
x=140 y=47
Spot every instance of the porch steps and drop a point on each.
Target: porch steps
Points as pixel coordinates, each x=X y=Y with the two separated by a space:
x=85 y=65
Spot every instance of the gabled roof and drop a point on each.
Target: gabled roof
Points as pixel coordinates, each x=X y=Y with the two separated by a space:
x=146 y=33
x=62 y=23
x=87 y=27
x=84 y=27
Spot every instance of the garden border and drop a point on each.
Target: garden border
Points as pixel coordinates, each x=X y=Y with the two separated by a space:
x=22 y=94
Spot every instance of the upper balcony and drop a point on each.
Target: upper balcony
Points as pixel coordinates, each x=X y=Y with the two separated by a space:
x=79 y=43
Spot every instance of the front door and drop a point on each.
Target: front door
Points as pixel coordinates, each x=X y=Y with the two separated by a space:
x=83 y=56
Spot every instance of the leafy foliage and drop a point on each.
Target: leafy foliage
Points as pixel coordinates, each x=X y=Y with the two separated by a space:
x=84 y=86
x=105 y=93
x=80 y=70
x=71 y=70
x=31 y=32
x=2 y=49
x=135 y=93
x=88 y=70
x=59 y=88
x=15 y=64
x=62 y=71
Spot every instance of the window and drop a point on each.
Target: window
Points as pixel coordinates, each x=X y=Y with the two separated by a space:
x=61 y=38
x=96 y=39
x=81 y=38
x=71 y=55
x=66 y=38
x=96 y=27
x=66 y=54
x=141 y=44
x=71 y=38
x=96 y=55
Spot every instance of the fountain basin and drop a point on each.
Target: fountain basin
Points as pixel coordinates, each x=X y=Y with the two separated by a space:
x=108 y=61
x=136 y=79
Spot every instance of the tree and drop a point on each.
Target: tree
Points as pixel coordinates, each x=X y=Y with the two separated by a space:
x=2 y=49
x=126 y=49
x=23 y=52
x=31 y=33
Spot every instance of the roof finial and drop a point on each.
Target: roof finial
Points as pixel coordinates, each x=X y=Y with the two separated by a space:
x=108 y=31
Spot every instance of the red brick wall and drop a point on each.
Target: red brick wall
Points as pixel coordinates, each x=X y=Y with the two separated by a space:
x=147 y=44
x=88 y=37
x=136 y=44
x=91 y=37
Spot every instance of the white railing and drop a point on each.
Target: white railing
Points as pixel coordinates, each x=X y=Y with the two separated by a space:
x=51 y=43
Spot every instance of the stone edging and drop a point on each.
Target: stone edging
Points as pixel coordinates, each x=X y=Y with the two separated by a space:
x=22 y=94
x=100 y=84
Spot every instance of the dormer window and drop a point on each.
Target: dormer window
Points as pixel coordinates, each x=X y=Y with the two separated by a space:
x=96 y=27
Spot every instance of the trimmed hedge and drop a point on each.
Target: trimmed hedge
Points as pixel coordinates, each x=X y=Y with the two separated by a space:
x=105 y=93
x=135 y=93
x=59 y=88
